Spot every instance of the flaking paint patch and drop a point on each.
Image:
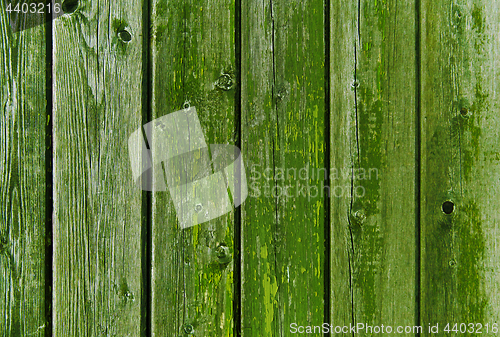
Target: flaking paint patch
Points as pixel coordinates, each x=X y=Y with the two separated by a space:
x=368 y=239
x=270 y=289
x=478 y=22
x=370 y=145
x=470 y=262
x=471 y=132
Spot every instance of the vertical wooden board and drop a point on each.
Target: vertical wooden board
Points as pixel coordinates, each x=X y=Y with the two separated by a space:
x=97 y=76
x=283 y=219
x=460 y=164
x=193 y=64
x=372 y=177
x=22 y=180
x=343 y=48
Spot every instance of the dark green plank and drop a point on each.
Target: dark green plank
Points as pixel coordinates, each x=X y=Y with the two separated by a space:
x=282 y=137
x=193 y=63
x=460 y=164
x=22 y=181
x=373 y=130
x=343 y=48
x=97 y=206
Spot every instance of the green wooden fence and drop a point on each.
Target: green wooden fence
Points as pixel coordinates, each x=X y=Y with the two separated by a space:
x=398 y=102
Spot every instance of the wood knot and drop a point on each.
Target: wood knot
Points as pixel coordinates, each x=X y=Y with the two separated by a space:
x=3 y=244
x=224 y=82
x=188 y=329
x=124 y=35
x=223 y=254
x=359 y=217
x=69 y=6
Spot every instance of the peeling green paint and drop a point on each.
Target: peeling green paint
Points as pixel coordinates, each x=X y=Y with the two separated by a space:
x=470 y=262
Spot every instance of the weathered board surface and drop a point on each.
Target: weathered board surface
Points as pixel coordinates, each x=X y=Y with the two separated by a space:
x=373 y=130
x=406 y=132
x=97 y=74
x=193 y=64
x=460 y=164
x=283 y=219
x=22 y=181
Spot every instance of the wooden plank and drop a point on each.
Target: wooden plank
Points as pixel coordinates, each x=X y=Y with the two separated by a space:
x=283 y=109
x=373 y=130
x=97 y=74
x=193 y=63
x=460 y=164
x=22 y=181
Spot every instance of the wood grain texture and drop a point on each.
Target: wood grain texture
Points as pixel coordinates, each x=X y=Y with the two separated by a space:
x=283 y=109
x=460 y=163
x=193 y=63
x=97 y=78
x=379 y=135
x=373 y=130
x=22 y=181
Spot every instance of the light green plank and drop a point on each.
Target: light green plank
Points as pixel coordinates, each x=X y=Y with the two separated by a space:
x=282 y=136
x=22 y=181
x=373 y=130
x=97 y=207
x=460 y=163
x=192 y=54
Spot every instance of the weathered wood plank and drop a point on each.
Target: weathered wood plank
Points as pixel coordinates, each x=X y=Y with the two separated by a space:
x=283 y=109
x=343 y=47
x=460 y=163
x=373 y=130
x=97 y=206
x=193 y=63
x=22 y=180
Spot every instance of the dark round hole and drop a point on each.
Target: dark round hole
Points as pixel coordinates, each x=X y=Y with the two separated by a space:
x=69 y=6
x=448 y=207
x=464 y=111
x=188 y=328
x=124 y=36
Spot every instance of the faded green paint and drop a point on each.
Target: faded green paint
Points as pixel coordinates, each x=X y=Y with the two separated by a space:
x=97 y=271
x=23 y=240
x=190 y=287
x=97 y=80
x=471 y=132
x=459 y=146
x=477 y=19
x=282 y=128
x=469 y=265
x=375 y=270
x=370 y=124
